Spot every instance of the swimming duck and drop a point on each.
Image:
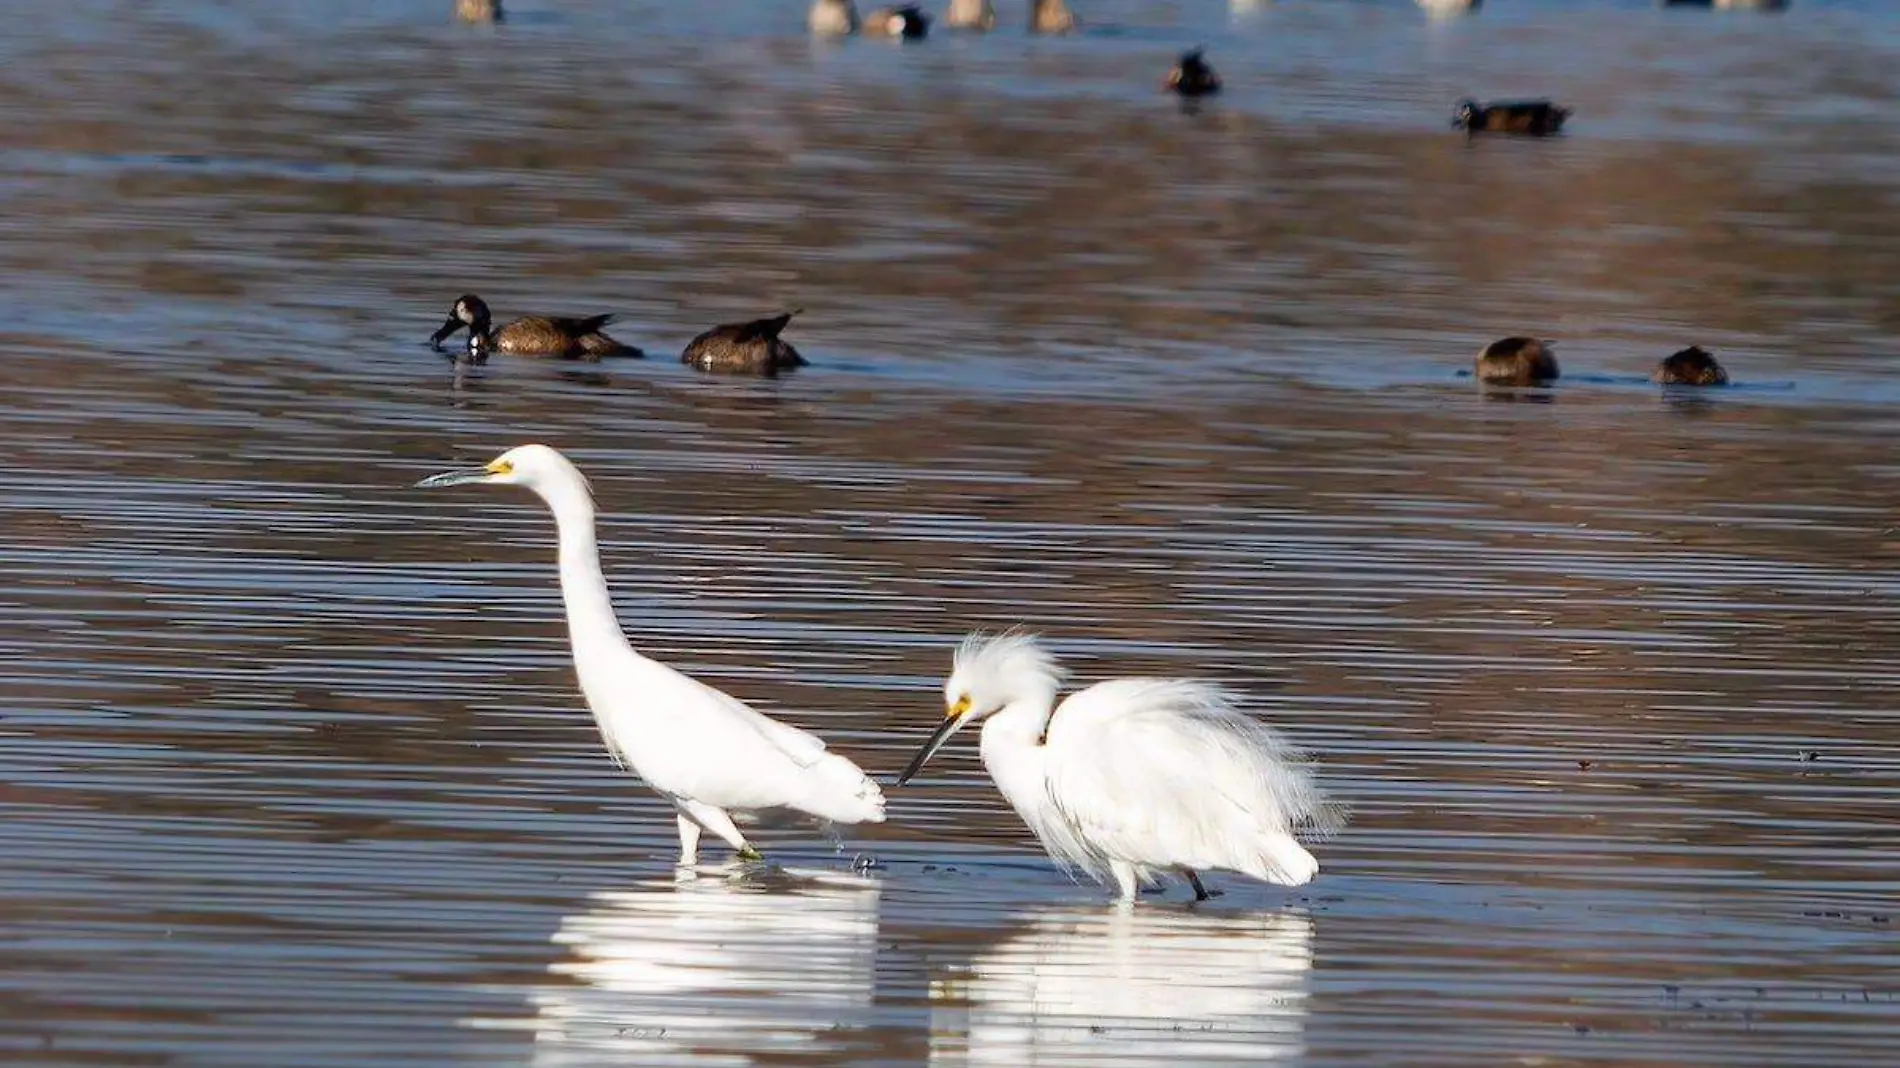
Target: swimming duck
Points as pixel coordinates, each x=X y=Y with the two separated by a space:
x=1693 y=366
x=833 y=18
x=536 y=335
x=479 y=11
x=1050 y=16
x=1517 y=361
x=1449 y=7
x=1193 y=76
x=1533 y=117
x=744 y=348
x=979 y=15
x=908 y=22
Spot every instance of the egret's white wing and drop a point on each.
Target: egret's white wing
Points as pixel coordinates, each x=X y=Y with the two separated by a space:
x=703 y=744
x=802 y=746
x=827 y=785
x=1167 y=772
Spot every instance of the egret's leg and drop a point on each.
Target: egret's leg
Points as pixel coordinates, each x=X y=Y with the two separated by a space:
x=716 y=821
x=689 y=841
x=1200 y=892
x=1124 y=873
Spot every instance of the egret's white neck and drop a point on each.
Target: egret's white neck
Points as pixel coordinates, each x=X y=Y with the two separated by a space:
x=1022 y=721
x=591 y=623
x=1014 y=733
x=1014 y=755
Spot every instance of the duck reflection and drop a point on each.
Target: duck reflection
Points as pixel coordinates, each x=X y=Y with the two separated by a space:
x=1142 y=985
x=712 y=970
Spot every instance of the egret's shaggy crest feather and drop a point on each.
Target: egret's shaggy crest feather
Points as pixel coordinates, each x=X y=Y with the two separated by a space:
x=1133 y=777
x=1013 y=661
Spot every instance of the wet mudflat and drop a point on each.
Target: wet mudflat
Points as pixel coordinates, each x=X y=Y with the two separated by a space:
x=291 y=766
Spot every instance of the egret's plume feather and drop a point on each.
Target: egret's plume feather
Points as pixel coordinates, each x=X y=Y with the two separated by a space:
x=1013 y=661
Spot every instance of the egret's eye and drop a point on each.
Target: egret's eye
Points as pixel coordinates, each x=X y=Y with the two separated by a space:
x=501 y=467
x=961 y=708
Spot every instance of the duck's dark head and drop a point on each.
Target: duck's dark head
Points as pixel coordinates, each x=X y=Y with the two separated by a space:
x=1192 y=76
x=911 y=21
x=469 y=311
x=1466 y=116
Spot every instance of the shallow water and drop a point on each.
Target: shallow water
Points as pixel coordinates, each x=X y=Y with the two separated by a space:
x=291 y=766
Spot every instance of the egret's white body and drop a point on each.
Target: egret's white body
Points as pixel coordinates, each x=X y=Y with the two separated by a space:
x=707 y=752
x=1133 y=777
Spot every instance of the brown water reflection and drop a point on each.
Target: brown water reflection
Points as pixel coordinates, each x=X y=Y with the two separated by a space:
x=291 y=766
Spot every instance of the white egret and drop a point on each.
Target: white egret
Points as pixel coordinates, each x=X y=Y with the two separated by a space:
x=1132 y=777
x=707 y=752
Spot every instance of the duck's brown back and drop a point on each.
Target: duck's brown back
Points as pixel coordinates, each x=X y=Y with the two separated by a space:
x=1516 y=361
x=1536 y=119
x=561 y=338
x=1693 y=366
x=479 y=11
x=744 y=348
x=1051 y=16
x=970 y=15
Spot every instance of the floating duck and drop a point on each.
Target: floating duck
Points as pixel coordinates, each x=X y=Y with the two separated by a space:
x=744 y=348
x=1693 y=366
x=1517 y=361
x=1535 y=118
x=535 y=335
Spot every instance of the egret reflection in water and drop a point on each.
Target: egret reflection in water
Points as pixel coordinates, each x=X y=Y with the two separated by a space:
x=1130 y=986
x=711 y=970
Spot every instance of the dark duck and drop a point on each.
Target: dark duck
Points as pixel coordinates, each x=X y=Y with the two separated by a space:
x=908 y=22
x=1517 y=361
x=1533 y=118
x=535 y=335
x=1693 y=366
x=753 y=348
x=1193 y=76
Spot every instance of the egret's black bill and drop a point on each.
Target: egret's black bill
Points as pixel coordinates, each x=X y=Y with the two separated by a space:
x=455 y=478
x=450 y=327
x=944 y=730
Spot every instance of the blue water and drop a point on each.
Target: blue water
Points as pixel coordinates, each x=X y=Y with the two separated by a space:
x=292 y=768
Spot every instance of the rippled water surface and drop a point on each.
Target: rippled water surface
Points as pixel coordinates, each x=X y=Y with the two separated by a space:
x=292 y=768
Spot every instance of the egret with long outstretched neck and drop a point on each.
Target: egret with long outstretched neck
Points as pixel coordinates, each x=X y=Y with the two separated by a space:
x=1133 y=777
x=708 y=753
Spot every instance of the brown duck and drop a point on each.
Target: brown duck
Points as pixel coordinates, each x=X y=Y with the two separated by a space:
x=1535 y=118
x=833 y=18
x=482 y=12
x=978 y=15
x=1693 y=366
x=1517 y=361
x=536 y=335
x=752 y=348
x=1193 y=76
x=1050 y=16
